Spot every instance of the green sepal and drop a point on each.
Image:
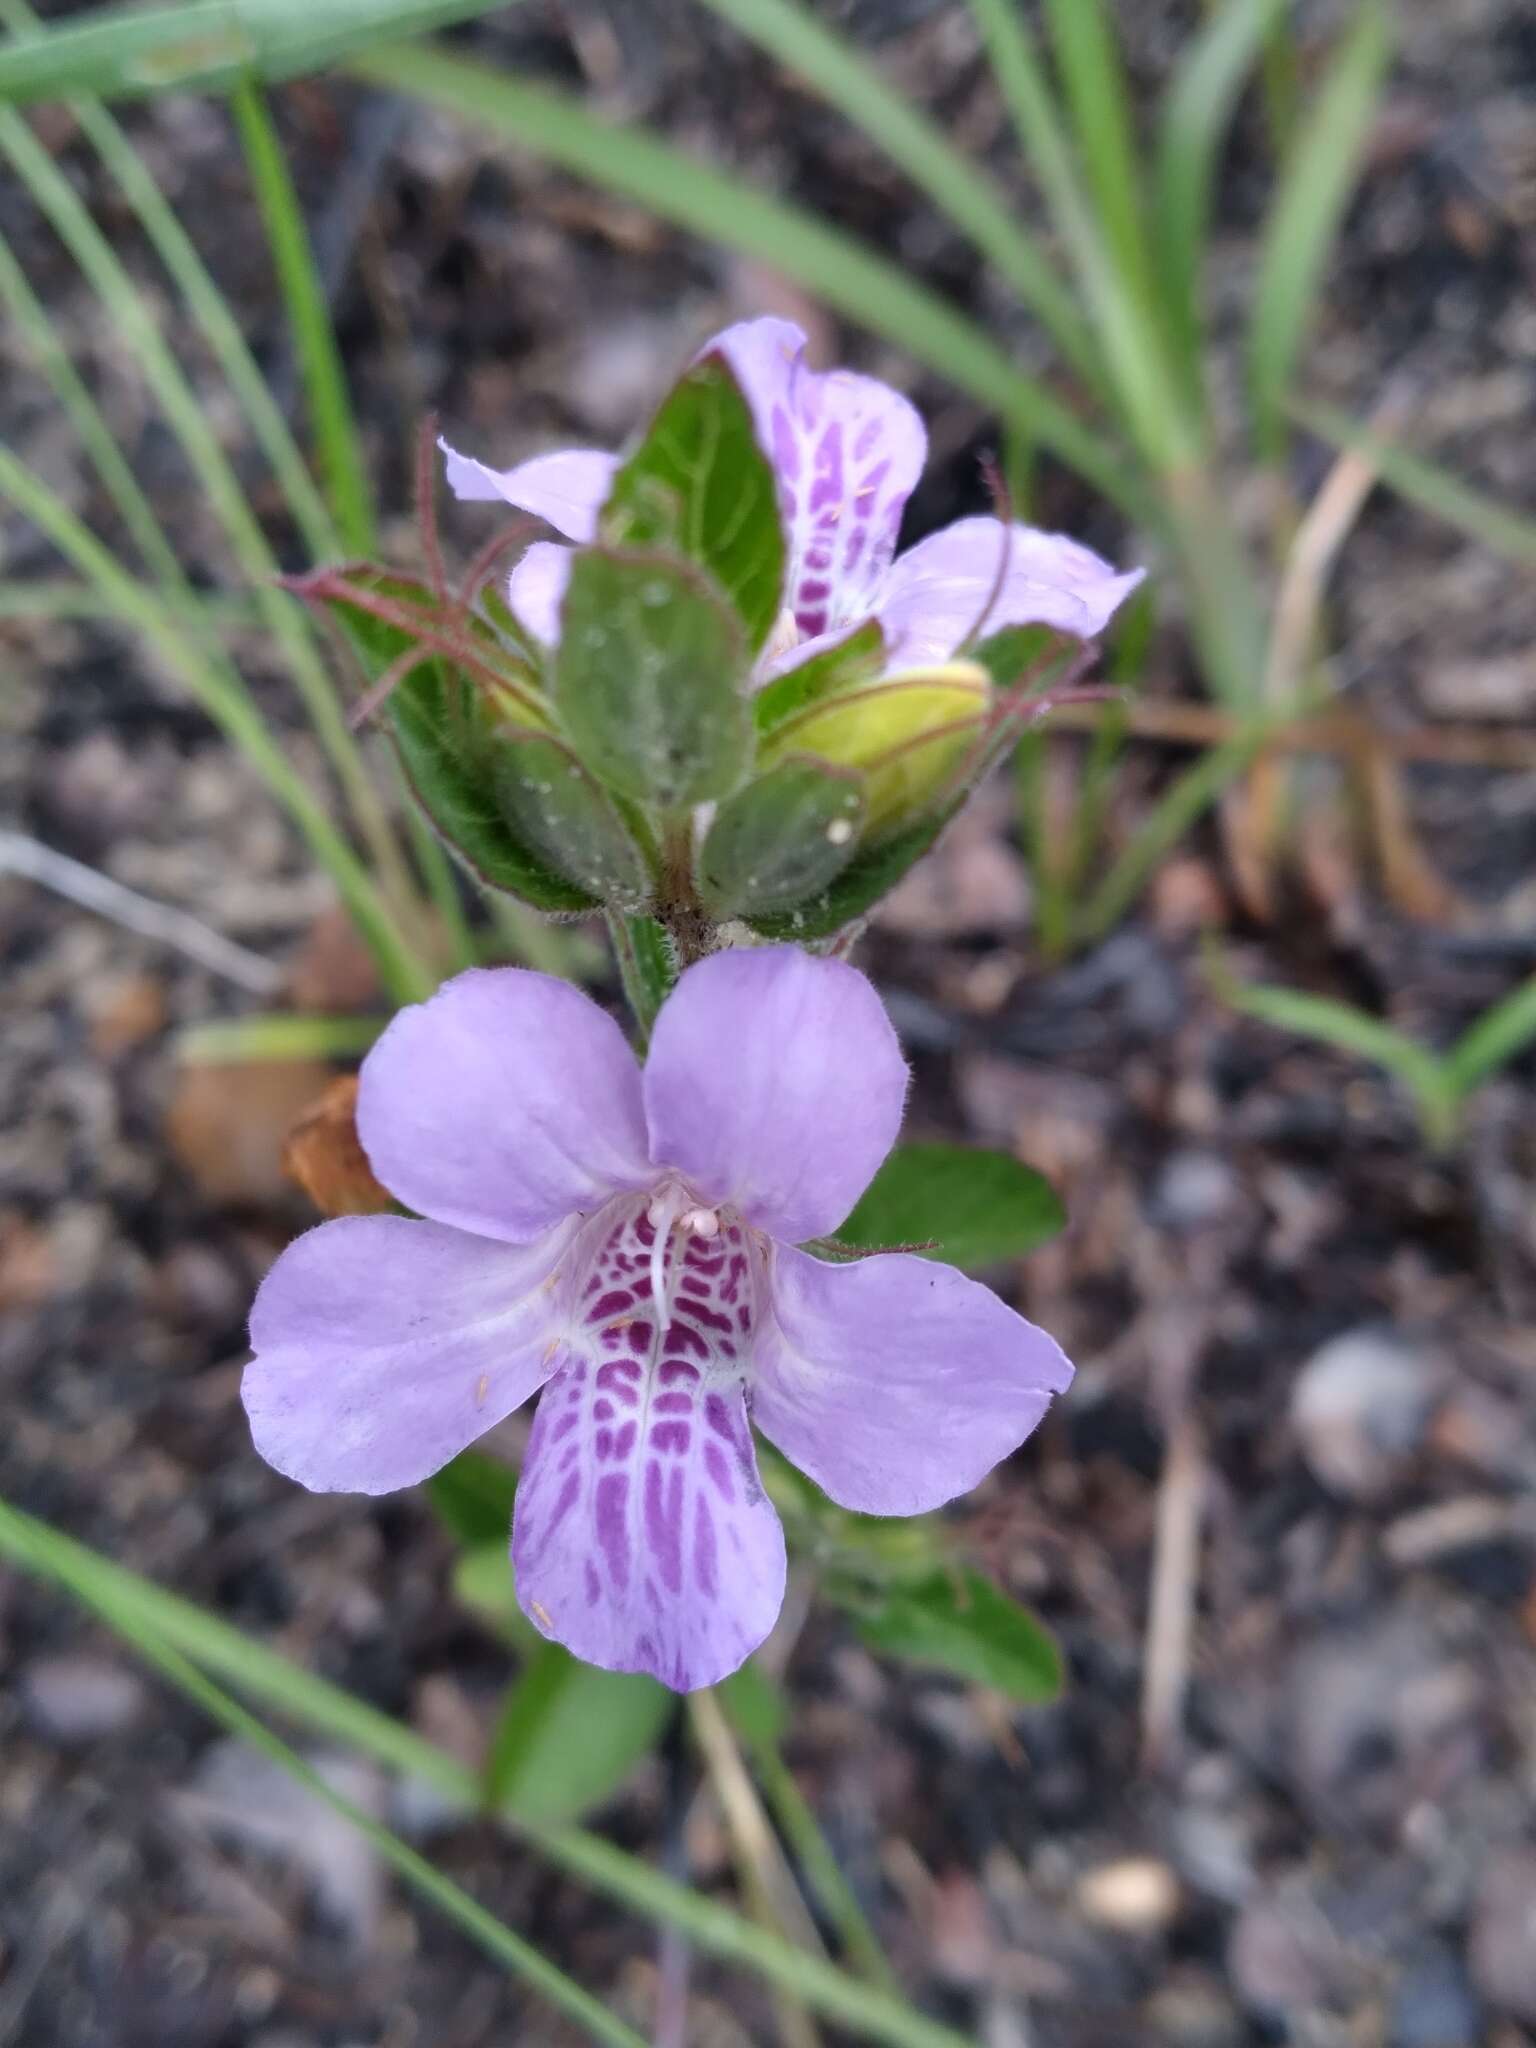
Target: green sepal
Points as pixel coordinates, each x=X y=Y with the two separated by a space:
x=781 y=839
x=648 y=678
x=443 y=719
x=447 y=742
x=1027 y=658
x=912 y=738
x=700 y=485
x=872 y=873
x=555 y=808
x=854 y=660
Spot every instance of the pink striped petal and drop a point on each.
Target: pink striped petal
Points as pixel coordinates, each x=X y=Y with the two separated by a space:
x=847 y=451
x=642 y=1538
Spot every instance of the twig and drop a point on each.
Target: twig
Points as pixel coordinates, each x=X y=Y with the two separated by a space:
x=1327 y=524
x=162 y=922
x=1175 y=1572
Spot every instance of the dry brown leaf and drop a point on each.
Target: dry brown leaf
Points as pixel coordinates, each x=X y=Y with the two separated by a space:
x=324 y=1155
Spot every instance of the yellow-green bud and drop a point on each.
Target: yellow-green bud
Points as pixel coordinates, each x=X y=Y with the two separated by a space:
x=909 y=738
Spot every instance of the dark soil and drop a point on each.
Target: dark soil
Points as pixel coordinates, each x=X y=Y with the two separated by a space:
x=1285 y=1309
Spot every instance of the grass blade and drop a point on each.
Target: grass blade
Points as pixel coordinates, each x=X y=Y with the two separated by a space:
x=1093 y=78
x=238 y=1040
x=141 y=1607
x=957 y=187
x=124 y=306
x=1195 y=117
x=222 y=693
x=1350 y=1030
x=1313 y=191
x=868 y=289
x=1496 y=1038
x=96 y=437
x=1142 y=387
x=204 y=300
x=482 y=1927
x=325 y=383
x=1426 y=483
x=208 y=44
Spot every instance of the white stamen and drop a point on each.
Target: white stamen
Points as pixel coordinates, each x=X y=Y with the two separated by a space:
x=661 y=1216
x=702 y=1223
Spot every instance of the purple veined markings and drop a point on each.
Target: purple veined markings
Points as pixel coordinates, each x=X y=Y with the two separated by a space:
x=846 y=451
x=627 y=1241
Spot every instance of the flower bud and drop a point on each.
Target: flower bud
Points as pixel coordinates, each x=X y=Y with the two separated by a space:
x=910 y=739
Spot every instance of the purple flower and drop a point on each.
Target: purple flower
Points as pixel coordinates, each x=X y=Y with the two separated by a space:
x=847 y=451
x=626 y=1241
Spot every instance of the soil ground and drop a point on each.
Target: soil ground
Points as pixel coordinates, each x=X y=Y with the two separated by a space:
x=1284 y=1306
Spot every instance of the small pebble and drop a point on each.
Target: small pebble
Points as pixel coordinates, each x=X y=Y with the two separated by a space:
x=1361 y=1408
x=1135 y=1895
x=79 y=1699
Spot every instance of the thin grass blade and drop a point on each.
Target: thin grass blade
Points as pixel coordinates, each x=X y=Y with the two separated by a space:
x=849 y=277
x=1350 y=1030
x=1426 y=483
x=1093 y=79
x=325 y=383
x=1195 y=117
x=221 y=692
x=96 y=438
x=1497 y=1037
x=960 y=189
x=1304 y=218
x=209 y=45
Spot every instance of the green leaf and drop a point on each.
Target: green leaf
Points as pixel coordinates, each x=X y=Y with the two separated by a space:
x=1309 y=204
x=979 y=1207
x=472 y=1496
x=558 y=812
x=446 y=741
x=871 y=874
x=649 y=675
x=958 y=1621
x=700 y=485
x=855 y=659
x=569 y=1736
x=782 y=838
